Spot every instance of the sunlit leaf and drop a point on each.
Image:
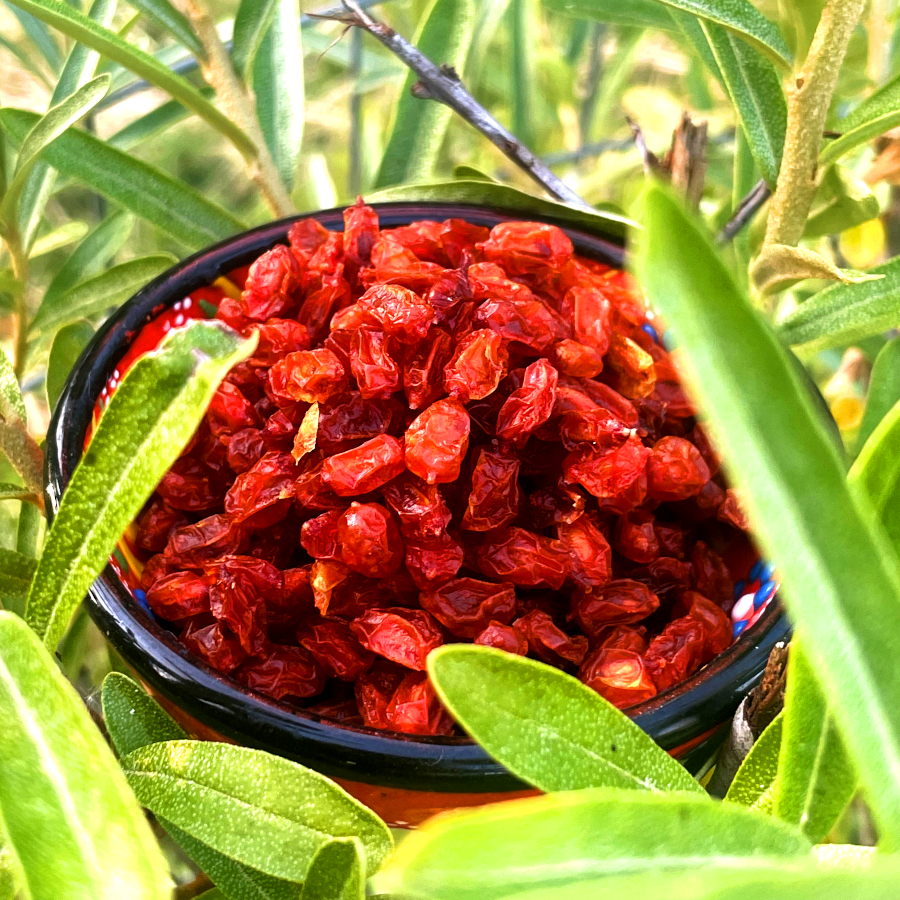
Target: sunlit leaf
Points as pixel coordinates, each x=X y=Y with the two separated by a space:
x=67 y=345
x=171 y=20
x=878 y=113
x=16 y=443
x=884 y=390
x=149 y=419
x=16 y=570
x=548 y=728
x=575 y=837
x=58 y=238
x=418 y=126
x=843 y=201
x=337 y=872
x=69 y=815
x=844 y=313
x=278 y=86
x=251 y=22
x=640 y=13
x=258 y=809
x=170 y=205
x=840 y=578
x=754 y=782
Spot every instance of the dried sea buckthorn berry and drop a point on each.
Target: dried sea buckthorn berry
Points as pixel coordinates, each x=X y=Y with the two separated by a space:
x=370 y=542
x=403 y=636
x=503 y=637
x=619 y=675
x=437 y=441
x=465 y=606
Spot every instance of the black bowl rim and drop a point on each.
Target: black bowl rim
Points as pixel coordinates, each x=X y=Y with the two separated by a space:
x=676 y=717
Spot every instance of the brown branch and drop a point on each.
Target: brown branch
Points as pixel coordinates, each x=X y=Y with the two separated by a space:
x=219 y=72
x=747 y=209
x=443 y=84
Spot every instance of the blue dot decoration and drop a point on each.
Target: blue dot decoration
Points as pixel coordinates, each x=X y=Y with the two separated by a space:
x=647 y=328
x=141 y=597
x=756 y=571
x=739 y=589
x=767 y=573
x=765 y=593
x=739 y=627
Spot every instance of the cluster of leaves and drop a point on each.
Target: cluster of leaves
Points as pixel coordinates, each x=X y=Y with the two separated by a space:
x=618 y=814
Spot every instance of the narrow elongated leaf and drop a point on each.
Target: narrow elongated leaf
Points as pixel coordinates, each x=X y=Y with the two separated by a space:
x=94 y=252
x=816 y=778
x=418 y=126
x=876 y=472
x=840 y=577
x=337 y=872
x=278 y=85
x=884 y=390
x=58 y=238
x=743 y=19
x=97 y=294
x=754 y=782
x=14 y=492
x=148 y=421
x=45 y=130
x=135 y=720
x=877 y=114
x=80 y=66
x=19 y=447
x=755 y=90
x=16 y=572
x=171 y=20
x=251 y=22
x=639 y=13
x=693 y=31
x=504 y=197
x=844 y=313
x=144 y=127
x=10 y=871
x=547 y=727
x=170 y=205
x=576 y=836
x=79 y=27
x=772 y=879
x=67 y=345
x=61 y=788
x=842 y=201
x=258 y=809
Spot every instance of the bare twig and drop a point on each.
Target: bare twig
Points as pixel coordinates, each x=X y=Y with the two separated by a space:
x=652 y=165
x=219 y=72
x=747 y=209
x=443 y=84
x=686 y=161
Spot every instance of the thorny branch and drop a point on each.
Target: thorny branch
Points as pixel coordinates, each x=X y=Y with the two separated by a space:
x=443 y=84
x=747 y=209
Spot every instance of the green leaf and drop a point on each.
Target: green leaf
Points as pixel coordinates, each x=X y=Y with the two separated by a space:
x=69 y=816
x=148 y=421
x=171 y=20
x=170 y=205
x=98 y=294
x=58 y=238
x=877 y=114
x=14 y=492
x=876 y=472
x=577 y=836
x=251 y=22
x=755 y=90
x=235 y=881
x=146 y=126
x=45 y=130
x=10 y=870
x=548 y=728
x=278 y=85
x=754 y=782
x=94 y=252
x=67 y=345
x=844 y=313
x=80 y=65
x=16 y=572
x=79 y=27
x=780 y=265
x=418 y=126
x=799 y=18
x=135 y=720
x=840 y=579
x=743 y=19
x=29 y=530
x=816 y=779
x=16 y=443
x=504 y=197
x=639 y=13
x=337 y=872
x=884 y=390
x=258 y=809
x=842 y=201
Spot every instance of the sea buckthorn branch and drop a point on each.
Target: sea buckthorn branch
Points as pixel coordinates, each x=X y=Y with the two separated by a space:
x=809 y=97
x=219 y=72
x=442 y=83
x=747 y=209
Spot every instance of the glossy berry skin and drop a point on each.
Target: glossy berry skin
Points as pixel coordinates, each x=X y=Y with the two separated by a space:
x=436 y=442
x=446 y=433
x=403 y=636
x=369 y=540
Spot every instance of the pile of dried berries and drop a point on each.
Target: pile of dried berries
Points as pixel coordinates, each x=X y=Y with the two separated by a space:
x=446 y=433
